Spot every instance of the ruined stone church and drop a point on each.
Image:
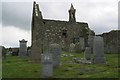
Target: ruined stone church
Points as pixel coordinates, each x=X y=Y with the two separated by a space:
x=45 y=32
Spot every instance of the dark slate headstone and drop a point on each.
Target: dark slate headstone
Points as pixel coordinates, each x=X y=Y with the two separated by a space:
x=47 y=65
x=98 y=50
x=55 y=50
x=87 y=53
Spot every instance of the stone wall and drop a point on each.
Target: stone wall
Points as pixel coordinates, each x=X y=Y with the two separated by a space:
x=15 y=51
x=45 y=32
x=112 y=41
x=3 y=51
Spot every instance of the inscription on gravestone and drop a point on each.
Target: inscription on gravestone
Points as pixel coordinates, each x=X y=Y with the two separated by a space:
x=47 y=66
x=98 y=50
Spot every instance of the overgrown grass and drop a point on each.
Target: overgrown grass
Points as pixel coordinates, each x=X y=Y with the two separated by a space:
x=15 y=67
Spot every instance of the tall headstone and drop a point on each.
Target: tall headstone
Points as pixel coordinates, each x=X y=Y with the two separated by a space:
x=23 y=48
x=82 y=43
x=98 y=50
x=55 y=50
x=88 y=53
x=47 y=65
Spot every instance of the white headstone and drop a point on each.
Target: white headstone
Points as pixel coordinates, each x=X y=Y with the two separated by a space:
x=47 y=66
x=98 y=50
x=55 y=50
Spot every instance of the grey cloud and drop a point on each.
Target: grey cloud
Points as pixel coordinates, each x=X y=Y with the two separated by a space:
x=17 y=14
x=0 y=12
x=55 y=10
x=119 y=15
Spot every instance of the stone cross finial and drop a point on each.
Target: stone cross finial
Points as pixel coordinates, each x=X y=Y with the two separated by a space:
x=71 y=6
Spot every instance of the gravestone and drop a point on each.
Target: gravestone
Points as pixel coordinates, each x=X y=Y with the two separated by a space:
x=78 y=47
x=72 y=47
x=35 y=55
x=55 y=50
x=29 y=52
x=23 y=48
x=87 y=53
x=3 y=52
x=90 y=41
x=98 y=50
x=82 y=43
x=47 y=65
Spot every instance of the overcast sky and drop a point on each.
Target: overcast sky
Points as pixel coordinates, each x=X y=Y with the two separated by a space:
x=101 y=16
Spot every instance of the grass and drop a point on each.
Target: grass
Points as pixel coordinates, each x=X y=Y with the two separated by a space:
x=0 y=68
x=15 y=67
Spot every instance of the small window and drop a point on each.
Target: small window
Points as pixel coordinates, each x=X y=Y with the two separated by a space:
x=43 y=22
x=64 y=33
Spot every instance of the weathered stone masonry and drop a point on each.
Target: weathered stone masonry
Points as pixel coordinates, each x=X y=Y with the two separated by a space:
x=45 y=32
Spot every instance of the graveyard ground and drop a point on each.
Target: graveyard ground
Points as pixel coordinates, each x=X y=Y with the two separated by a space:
x=15 y=67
